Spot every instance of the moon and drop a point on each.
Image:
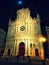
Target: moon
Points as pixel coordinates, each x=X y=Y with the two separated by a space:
x=19 y=2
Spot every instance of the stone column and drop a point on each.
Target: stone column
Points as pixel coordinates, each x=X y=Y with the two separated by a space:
x=25 y=47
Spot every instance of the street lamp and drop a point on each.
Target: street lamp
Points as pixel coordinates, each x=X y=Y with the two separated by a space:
x=42 y=39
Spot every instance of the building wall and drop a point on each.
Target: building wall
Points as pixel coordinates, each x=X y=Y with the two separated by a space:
x=24 y=29
x=2 y=38
x=47 y=31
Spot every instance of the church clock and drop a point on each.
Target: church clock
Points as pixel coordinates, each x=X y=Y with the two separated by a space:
x=22 y=28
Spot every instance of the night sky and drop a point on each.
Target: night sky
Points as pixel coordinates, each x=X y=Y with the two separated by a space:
x=8 y=10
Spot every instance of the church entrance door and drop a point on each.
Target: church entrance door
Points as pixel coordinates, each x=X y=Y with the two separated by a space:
x=21 y=49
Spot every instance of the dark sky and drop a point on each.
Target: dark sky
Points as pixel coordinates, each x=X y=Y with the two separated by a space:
x=8 y=10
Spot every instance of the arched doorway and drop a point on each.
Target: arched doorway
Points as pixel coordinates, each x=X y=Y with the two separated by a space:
x=8 y=52
x=36 y=52
x=1 y=52
x=21 y=49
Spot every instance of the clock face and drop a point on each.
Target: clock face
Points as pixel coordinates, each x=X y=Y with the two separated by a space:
x=22 y=28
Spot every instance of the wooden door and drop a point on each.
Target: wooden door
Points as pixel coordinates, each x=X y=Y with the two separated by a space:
x=21 y=49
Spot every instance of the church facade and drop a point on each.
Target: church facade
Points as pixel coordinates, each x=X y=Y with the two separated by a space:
x=23 y=34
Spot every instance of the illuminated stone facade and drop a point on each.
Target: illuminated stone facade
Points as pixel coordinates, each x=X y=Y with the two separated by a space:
x=24 y=29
